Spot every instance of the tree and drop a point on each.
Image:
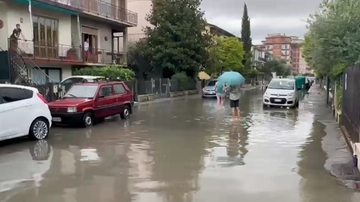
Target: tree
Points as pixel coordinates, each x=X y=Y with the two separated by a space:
x=332 y=42
x=226 y=54
x=176 y=42
x=278 y=66
x=246 y=38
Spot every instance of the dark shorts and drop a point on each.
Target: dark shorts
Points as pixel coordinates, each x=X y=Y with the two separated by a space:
x=234 y=103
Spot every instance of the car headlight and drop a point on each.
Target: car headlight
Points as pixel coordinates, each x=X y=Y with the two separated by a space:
x=266 y=94
x=291 y=94
x=71 y=109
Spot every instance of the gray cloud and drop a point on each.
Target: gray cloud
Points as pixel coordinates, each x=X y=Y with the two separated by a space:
x=267 y=16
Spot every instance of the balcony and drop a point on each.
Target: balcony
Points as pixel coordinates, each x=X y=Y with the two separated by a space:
x=67 y=54
x=99 y=8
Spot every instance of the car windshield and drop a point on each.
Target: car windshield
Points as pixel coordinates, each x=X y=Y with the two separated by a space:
x=81 y=91
x=282 y=85
x=212 y=83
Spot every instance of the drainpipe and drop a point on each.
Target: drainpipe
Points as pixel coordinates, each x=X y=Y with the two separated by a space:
x=79 y=35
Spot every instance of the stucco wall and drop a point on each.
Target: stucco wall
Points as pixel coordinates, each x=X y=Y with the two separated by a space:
x=142 y=8
x=104 y=30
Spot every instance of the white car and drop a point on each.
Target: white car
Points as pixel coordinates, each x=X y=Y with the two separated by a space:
x=23 y=111
x=282 y=93
x=209 y=90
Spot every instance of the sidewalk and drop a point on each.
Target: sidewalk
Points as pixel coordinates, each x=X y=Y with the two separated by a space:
x=339 y=162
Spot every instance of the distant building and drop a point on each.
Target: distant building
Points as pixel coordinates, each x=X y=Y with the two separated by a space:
x=260 y=55
x=287 y=48
x=217 y=31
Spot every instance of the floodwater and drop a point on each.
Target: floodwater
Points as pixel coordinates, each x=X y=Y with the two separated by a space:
x=183 y=150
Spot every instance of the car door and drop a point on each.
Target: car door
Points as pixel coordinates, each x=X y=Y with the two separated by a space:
x=15 y=111
x=104 y=101
x=120 y=96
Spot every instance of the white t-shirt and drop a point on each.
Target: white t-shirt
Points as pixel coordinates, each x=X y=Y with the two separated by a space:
x=86 y=46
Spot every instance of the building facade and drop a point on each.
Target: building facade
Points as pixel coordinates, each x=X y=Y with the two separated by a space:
x=55 y=32
x=143 y=8
x=286 y=48
x=278 y=45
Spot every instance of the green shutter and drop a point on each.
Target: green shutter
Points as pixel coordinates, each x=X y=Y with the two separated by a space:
x=47 y=6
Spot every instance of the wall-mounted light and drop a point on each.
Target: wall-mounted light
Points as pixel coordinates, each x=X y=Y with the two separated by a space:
x=106 y=38
x=21 y=20
x=1 y=24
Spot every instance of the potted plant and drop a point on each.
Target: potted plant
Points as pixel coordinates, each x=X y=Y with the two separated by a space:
x=71 y=54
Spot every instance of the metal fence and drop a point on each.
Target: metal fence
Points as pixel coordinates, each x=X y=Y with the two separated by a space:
x=351 y=102
x=160 y=88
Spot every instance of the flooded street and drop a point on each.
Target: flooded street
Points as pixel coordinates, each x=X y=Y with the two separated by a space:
x=184 y=150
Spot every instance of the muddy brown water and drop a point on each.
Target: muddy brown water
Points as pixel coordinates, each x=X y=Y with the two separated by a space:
x=179 y=151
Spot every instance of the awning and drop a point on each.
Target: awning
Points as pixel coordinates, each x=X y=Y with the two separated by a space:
x=203 y=76
x=47 y=6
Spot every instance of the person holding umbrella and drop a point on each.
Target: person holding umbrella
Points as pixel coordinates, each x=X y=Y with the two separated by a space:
x=234 y=80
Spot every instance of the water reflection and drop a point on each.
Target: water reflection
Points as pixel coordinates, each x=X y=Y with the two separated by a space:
x=180 y=151
x=314 y=175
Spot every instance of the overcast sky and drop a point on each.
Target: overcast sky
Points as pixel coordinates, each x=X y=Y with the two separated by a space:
x=266 y=16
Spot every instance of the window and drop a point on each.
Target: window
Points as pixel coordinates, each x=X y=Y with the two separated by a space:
x=81 y=91
x=14 y=94
x=119 y=89
x=106 y=91
x=46 y=34
x=46 y=75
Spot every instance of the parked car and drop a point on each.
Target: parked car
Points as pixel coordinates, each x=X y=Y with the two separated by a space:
x=23 y=111
x=66 y=84
x=88 y=103
x=209 y=90
x=282 y=92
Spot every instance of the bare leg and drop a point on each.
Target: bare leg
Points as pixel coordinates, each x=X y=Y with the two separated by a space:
x=218 y=100
x=238 y=112
x=233 y=111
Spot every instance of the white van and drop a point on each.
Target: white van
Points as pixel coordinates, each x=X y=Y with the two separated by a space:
x=282 y=93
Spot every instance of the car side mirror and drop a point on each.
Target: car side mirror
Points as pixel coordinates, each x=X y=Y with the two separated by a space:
x=266 y=87
x=298 y=88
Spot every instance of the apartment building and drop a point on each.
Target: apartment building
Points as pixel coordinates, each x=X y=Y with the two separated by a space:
x=285 y=47
x=260 y=55
x=55 y=32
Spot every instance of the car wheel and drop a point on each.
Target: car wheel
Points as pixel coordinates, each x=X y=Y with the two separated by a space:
x=39 y=129
x=88 y=119
x=125 y=112
x=297 y=104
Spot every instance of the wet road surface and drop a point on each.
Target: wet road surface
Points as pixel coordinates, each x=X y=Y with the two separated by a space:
x=178 y=151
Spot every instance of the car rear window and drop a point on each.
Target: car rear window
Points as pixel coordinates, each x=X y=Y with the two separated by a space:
x=9 y=94
x=119 y=89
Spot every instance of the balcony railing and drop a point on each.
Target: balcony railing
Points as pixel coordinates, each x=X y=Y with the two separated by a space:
x=70 y=54
x=101 y=8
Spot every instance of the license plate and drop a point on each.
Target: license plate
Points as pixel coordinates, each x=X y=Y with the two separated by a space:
x=277 y=100
x=56 y=119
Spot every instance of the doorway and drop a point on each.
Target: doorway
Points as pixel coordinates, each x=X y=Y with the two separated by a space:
x=90 y=45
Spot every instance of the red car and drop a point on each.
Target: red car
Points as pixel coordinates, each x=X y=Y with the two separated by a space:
x=88 y=103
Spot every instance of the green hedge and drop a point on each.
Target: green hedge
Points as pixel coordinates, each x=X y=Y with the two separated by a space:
x=110 y=72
